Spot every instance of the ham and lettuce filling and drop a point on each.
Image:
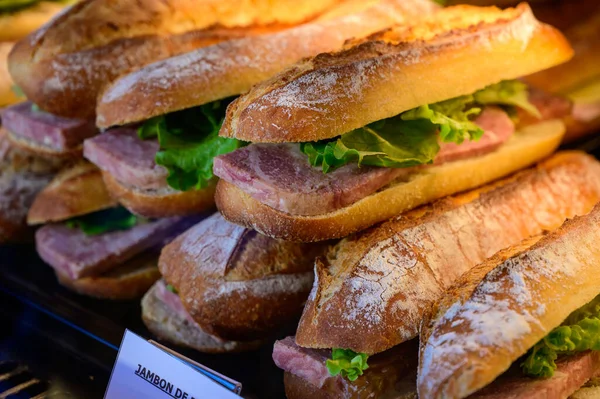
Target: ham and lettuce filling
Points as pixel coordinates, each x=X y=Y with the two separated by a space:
x=415 y=137
x=580 y=332
x=189 y=141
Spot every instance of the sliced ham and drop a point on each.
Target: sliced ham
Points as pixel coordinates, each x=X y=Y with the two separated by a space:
x=173 y=301
x=127 y=158
x=385 y=376
x=571 y=374
x=46 y=129
x=586 y=112
x=550 y=106
x=75 y=254
x=280 y=176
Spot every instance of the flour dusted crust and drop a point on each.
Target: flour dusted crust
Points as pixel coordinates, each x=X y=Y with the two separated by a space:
x=161 y=203
x=238 y=284
x=456 y=51
x=77 y=190
x=505 y=305
x=232 y=67
x=127 y=281
x=527 y=146
x=373 y=289
x=168 y=326
x=63 y=66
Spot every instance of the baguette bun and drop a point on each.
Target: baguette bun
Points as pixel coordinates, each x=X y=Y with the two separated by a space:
x=332 y=94
x=235 y=283
x=77 y=190
x=169 y=326
x=63 y=66
x=298 y=388
x=421 y=253
x=592 y=392
x=41 y=150
x=127 y=281
x=195 y=78
x=585 y=65
x=505 y=305
x=161 y=203
x=22 y=176
x=529 y=145
x=7 y=95
x=18 y=24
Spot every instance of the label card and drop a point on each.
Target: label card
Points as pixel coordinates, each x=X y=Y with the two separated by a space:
x=142 y=370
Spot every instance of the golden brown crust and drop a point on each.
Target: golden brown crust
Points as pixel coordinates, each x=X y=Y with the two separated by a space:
x=169 y=326
x=154 y=204
x=127 y=281
x=332 y=94
x=584 y=66
x=63 y=66
x=242 y=285
x=76 y=190
x=194 y=78
x=532 y=144
x=427 y=249
x=298 y=388
x=526 y=291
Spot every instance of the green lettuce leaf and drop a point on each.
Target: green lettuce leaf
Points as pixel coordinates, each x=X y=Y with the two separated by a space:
x=104 y=221
x=580 y=332
x=411 y=138
x=347 y=363
x=189 y=140
x=512 y=93
x=172 y=289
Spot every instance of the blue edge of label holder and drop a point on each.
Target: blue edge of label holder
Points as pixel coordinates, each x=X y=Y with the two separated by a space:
x=213 y=377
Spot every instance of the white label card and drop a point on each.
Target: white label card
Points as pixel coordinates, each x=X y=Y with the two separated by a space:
x=142 y=370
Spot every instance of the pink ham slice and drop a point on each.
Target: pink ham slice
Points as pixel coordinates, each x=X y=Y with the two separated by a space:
x=280 y=176
x=173 y=301
x=571 y=374
x=127 y=158
x=77 y=255
x=46 y=129
x=385 y=377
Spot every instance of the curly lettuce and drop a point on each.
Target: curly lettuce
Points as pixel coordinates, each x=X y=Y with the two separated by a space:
x=189 y=141
x=347 y=363
x=104 y=221
x=412 y=138
x=580 y=332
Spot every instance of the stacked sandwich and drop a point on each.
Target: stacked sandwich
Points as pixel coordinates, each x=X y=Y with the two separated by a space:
x=95 y=245
x=349 y=139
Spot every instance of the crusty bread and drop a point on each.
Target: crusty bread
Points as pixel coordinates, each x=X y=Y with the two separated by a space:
x=592 y=392
x=127 y=281
x=169 y=326
x=238 y=284
x=7 y=95
x=41 y=150
x=421 y=253
x=505 y=305
x=525 y=148
x=22 y=176
x=16 y=25
x=76 y=190
x=584 y=66
x=161 y=203
x=391 y=72
x=195 y=78
x=63 y=66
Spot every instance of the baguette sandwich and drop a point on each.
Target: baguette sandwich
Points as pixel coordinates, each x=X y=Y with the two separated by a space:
x=62 y=67
x=229 y=288
x=96 y=247
x=181 y=102
x=411 y=114
x=373 y=289
x=523 y=324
